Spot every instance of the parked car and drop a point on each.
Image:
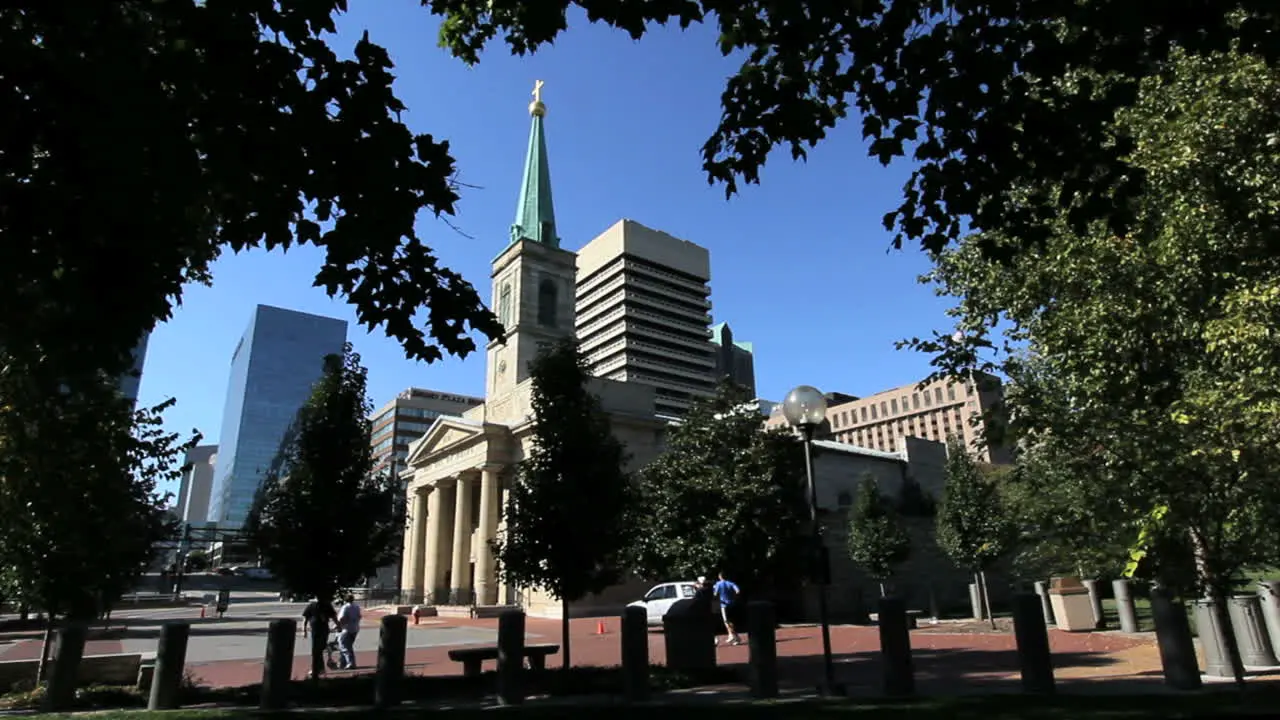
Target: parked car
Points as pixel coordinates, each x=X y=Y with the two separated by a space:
x=257 y=573
x=660 y=598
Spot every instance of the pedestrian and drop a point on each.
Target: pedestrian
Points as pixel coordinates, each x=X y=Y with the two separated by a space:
x=348 y=629
x=726 y=591
x=316 y=609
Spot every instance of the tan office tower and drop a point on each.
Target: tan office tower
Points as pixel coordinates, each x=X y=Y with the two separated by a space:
x=643 y=313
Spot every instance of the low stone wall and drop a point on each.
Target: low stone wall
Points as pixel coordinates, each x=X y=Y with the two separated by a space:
x=114 y=669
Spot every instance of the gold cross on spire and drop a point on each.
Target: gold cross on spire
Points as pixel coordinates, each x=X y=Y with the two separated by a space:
x=536 y=108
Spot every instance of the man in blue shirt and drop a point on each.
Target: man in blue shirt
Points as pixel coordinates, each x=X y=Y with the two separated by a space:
x=726 y=592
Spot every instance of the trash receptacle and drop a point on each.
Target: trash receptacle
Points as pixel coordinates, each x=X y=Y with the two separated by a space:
x=1250 y=631
x=1072 y=608
x=689 y=633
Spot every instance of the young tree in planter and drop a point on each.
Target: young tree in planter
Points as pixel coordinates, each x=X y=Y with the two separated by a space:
x=972 y=525
x=80 y=515
x=321 y=520
x=877 y=541
x=726 y=494
x=565 y=521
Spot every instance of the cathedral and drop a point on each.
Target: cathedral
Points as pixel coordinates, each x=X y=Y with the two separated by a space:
x=459 y=471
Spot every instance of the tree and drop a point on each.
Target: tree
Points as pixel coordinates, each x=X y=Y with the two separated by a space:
x=322 y=520
x=969 y=90
x=877 y=541
x=1068 y=518
x=725 y=494
x=1155 y=348
x=565 y=528
x=972 y=524
x=80 y=515
x=258 y=135
x=197 y=561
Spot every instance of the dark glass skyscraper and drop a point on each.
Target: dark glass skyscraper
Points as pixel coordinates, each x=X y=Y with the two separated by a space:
x=273 y=368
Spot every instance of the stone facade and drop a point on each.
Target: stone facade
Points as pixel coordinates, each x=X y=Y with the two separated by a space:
x=838 y=470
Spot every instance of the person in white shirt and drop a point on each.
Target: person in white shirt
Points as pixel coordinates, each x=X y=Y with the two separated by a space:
x=348 y=629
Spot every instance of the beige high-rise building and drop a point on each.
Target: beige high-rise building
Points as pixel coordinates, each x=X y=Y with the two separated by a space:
x=407 y=418
x=935 y=412
x=643 y=313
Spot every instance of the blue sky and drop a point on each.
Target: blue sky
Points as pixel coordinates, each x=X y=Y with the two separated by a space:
x=801 y=266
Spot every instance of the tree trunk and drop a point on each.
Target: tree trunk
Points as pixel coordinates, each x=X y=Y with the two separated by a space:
x=1216 y=591
x=985 y=597
x=42 y=668
x=564 y=631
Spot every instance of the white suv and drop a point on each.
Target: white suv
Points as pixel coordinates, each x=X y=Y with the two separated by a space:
x=660 y=598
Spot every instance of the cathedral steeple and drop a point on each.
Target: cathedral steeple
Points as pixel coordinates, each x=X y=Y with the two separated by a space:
x=535 y=213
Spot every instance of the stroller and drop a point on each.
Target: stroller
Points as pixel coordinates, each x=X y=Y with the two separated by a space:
x=331 y=651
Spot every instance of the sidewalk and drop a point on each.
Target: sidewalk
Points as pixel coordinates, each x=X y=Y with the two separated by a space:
x=944 y=662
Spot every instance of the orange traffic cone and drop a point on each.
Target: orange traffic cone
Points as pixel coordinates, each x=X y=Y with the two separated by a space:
x=600 y=628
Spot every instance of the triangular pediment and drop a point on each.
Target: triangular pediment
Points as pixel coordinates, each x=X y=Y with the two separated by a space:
x=444 y=433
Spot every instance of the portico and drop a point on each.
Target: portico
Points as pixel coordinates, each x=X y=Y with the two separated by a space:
x=455 y=512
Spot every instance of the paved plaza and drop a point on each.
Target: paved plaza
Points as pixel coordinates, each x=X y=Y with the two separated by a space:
x=949 y=658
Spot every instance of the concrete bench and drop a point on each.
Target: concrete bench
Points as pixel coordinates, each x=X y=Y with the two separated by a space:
x=913 y=618
x=113 y=669
x=473 y=658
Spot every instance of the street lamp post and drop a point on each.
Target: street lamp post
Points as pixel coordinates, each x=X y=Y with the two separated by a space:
x=805 y=408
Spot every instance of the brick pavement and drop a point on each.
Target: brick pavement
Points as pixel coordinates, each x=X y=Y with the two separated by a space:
x=944 y=662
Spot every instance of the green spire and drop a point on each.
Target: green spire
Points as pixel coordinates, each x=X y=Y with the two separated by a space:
x=535 y=213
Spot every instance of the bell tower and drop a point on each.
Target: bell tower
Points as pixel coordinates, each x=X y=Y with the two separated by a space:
x=533 y=278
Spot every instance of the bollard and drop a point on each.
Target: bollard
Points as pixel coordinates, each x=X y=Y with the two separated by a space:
x=67 y=653
x=319 y=639
x=975 y=602
x=762 y=642
x=1269 y=597
x=895 y=647
x=1046 y=607
x=171 y=657
x=1095 y=603
x=1173 y=636
x=511 y=657
x=1125 y=609
x=277 y=668
x=1032 y=637
x=1250 y=631
x=635 y=654
x=389 y=679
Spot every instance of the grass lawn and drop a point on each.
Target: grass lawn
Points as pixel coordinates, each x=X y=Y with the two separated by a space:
x=1258 y=702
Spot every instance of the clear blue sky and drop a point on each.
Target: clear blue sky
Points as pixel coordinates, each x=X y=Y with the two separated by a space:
x=801 y=266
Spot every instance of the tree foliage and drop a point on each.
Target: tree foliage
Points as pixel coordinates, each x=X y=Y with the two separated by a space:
x=725 y=495
x=256 y=134
x=968 y=90
x=80 y=514
x=1154 y=351
x=1068 y=519
x=973 y=527
x=322 y=521
x=878 y=543
x=565 y=529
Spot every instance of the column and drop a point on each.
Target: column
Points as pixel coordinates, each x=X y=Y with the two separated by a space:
x=433 y=565
x=504 y=593
x=486 y=592
x=460 y=592
x=411 y=574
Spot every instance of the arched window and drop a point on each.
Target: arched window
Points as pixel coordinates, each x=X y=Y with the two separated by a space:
x=547 y=298
x=504 y=306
